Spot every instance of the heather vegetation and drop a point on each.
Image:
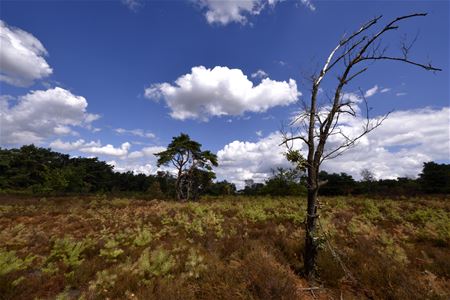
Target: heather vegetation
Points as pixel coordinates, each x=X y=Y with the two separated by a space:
x=222 y=248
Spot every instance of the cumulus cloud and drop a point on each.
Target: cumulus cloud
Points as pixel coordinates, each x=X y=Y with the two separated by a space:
x=107 y=149
x=135 y=132
x=238 y=11
x=242 y=160
x=21 y=57
x=70 y=146
x=148 y=152
x=204 y=93
x=93 y=147
x=42 y=114
x=224 y=12
x=139 y=161
x=137 y=168
x=142 y=161
x=396 y=149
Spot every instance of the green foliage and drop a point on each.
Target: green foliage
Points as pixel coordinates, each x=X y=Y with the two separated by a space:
x=336 y=184
x=284 y=182
x=68 y=251
x=434 y=224
x=143 y=237
x=255 y=214
x=9 y=262
x=155 y=263
x=111 y=250
x=120 y=202
x=295 y=157
x=236 y=247
x=393 y=249
x=370 y=210
x=195 y=264
x=103 y=283
x=41 y=171
x=220 y=188
x=194 y=166
x=435 y=178
x=214 y=221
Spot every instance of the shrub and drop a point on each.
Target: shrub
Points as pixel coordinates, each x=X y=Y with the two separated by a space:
x=9 y=262
x=143 y=237
x=155 y=264
x=68 y=251
x=194 y=264
x=111 y=250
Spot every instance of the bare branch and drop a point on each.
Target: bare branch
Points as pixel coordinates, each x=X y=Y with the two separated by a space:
x=350 y=142
x=354 y=75
x=343 y=42
x=427 y=67
x=293 y=138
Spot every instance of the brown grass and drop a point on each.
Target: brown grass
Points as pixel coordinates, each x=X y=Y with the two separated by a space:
x=232 y=248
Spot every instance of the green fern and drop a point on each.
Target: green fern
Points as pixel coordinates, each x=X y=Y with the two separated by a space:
x=9 y=262
x=68 y=251
x=155 y=264
x=143 y=237
x=111 y=251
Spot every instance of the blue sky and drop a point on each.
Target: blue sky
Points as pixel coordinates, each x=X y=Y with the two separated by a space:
x=114 y=53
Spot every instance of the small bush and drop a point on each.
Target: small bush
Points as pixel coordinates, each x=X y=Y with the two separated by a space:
x=67 y=251
x=9 y=262
x=143 y=237
x=155 y=263
x=111 y=250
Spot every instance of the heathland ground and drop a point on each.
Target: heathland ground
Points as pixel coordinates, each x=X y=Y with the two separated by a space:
x=222 y=248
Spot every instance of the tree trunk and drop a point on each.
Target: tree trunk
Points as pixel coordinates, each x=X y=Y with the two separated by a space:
x=177 y=188
x=310 y=253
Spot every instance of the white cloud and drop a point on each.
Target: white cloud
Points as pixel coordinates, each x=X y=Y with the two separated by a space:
x=93 y=147
x=135 y=132
x=241 y=160
x=142 y=161
x=21 y=57
x=133 y=5
x=396 y=149
x=148 y=152
x=204 y=93
x=107 y=149
x=121 y=167
x=260 y=74
x=238 y=11
x=224 y=12
x=372 y=91
x=400 y=94
x=39 y=115
x=70 y=146
x=385 y=90
x=259 y=133
x=308 y=4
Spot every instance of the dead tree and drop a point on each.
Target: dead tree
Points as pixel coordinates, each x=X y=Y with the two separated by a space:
x=316 y=123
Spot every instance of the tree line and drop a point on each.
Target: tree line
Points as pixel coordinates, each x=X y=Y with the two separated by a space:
x=434 y=179
x=41 y=171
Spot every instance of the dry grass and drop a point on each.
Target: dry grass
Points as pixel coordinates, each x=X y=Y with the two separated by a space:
x=228 y=248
